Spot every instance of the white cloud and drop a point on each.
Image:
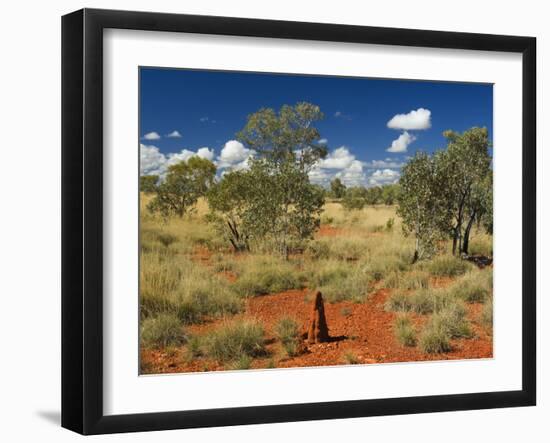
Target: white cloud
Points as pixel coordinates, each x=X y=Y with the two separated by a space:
x=323 y=141
x=234 y=155
x=401 y=143
x=353 y=175
x=152 y=136
x=152 y=161
x=381 y=164
x=340 y=158
x=174 y=134
x=338 y=114
x=319 y=176
x=383 y=177
x=419 y=119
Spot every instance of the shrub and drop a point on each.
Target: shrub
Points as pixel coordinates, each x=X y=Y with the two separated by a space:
x=444 y=325
x=390 y=223
x=434 y=339
x=190 y=295
x=412 y=280
x=288 y=332
x=447 y=266
x=318 y=249
x=166 y=239
x=162 y=331
x=343 y=283
x=267 y=280
x=423 y=301
x=404 y=330
x=242 y=363
x=452 y=318
x=472 y=287
x=233 y=340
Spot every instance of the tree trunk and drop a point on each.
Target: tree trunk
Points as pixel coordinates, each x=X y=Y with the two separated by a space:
x=466 y=242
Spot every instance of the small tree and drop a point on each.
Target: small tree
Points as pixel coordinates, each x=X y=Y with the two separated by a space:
x=228 y=199
x=185 y=182
x=373 y=195
x=390 y=194
x=466 y=164
x=148 y=183
x=355 y=198
x=337 y=188
x=422 y=204
x=273 y=203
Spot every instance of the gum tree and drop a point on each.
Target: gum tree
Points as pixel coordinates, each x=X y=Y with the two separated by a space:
x=422 y=204
x=184 y=183
x=273 y=203
x=467 y=166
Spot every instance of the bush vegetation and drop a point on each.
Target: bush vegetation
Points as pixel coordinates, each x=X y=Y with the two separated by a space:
x=404 y=330
x=161 y=331
x=287 y=332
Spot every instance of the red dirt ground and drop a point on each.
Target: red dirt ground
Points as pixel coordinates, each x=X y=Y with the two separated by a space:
x=365 y=329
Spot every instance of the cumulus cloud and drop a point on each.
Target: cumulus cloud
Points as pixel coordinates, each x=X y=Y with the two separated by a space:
x=151 y=136
x=353 y=175
x=174 y=134
x=340 y=158
x=401 y=143
x=154 y=162
x=416 y=119
x=381 y=164
x=234 y=155
x=151 y=160
x=383 y=177
x=323 y=141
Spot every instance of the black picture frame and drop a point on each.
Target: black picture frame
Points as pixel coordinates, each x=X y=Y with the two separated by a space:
x=82 y=218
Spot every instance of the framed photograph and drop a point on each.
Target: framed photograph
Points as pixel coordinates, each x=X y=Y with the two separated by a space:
x=269 y=221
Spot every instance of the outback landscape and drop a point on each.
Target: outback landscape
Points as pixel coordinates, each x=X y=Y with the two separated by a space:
x=259 y=267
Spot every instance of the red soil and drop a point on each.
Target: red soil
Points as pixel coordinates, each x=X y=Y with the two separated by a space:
x=364 y=329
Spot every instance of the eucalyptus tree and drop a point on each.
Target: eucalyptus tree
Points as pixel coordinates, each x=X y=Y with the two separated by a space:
x=272 y=202
x=184 y=183
x=337 y=188
x=422 y=203
x=467 y=166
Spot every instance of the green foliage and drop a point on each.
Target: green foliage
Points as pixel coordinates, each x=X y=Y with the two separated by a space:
x=434 y=339
x=448 y=323
x=390 y=223
x=373 y=195
x=184 y=289
x=355 y=198
x=337 y=188
x=422 y=204
x=447 y=266
x=390 y=194
x=148 y=183
x=273 y=203
x=288 y=333
x=473 y=287
x=161 y=331
x=404 y=330
x=265 y=276
x=185 y=182
x=466 y=164
x=445 y=194
x=232 y=341
x=278 y=136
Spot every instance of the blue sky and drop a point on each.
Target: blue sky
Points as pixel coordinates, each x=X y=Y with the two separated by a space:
x=371 y=126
